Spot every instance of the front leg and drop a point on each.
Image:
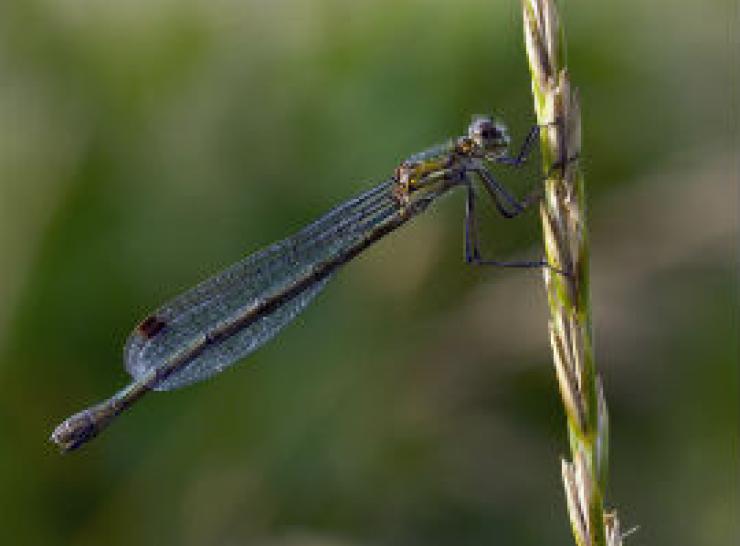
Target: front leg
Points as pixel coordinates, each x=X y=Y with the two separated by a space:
x=506 y=204
x=526 y=148
x=472 y=250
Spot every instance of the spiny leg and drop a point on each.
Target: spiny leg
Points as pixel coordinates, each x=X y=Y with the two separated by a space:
x=472 y=250
x=471 y=228
x=499 y=194
x=527 y=146
x=524 y=151
x=503 y=198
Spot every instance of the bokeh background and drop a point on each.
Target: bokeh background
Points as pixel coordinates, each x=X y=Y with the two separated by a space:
x=145 y=144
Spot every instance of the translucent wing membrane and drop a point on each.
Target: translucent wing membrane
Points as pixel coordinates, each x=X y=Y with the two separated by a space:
x=211 y=316
x=225 y=318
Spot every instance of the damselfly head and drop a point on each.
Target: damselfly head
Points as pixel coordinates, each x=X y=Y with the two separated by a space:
x=489 y=135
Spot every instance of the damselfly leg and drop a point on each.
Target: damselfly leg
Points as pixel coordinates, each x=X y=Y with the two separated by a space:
x=506 y=204
x=472 y=250
x=525 y=150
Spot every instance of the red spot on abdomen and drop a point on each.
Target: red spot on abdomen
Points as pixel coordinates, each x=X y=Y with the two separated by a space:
x=150 y=326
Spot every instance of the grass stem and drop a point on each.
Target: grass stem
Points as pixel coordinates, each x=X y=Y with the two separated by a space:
x=563 y=213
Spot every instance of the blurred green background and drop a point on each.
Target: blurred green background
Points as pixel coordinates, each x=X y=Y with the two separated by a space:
x=146 y=144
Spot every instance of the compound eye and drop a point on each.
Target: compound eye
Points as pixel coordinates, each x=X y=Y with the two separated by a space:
x=491 y=132
x=485 y=130
x=480 y=126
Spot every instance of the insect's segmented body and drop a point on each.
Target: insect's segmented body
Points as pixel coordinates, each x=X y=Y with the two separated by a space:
x=223 y=319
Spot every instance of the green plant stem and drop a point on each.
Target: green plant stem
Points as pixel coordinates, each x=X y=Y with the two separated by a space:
x=567 y=282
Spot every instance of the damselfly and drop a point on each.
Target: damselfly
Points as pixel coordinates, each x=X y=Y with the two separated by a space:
x=205 y=330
